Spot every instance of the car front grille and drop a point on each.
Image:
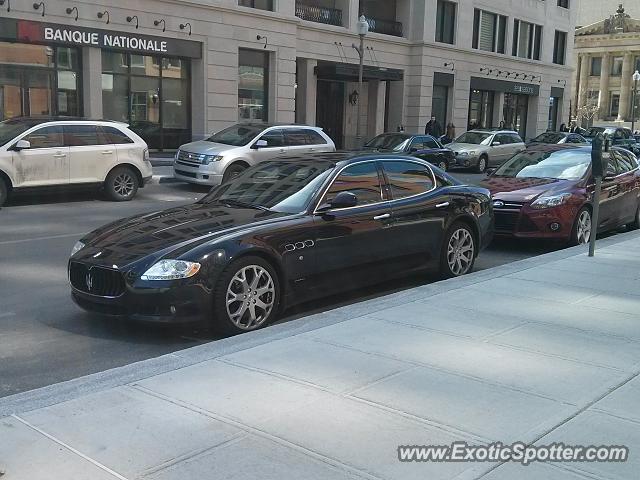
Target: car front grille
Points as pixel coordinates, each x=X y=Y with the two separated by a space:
x=98 y=281
x=187 y=174
x=190 y=159
x=506 y=222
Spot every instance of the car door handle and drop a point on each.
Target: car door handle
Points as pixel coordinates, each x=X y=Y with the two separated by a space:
x=443 y=205
x=60 y=155
x=107 y=152
x=282 y=150
x=382 y=217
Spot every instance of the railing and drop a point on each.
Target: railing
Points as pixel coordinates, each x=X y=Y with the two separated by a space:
x=386 y=27
x=313 y=13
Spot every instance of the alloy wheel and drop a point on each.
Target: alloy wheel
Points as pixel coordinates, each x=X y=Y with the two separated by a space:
x=251 y=297
x=482 y=165
x=460 y=252
x=443 y=166
x=123 y=184
x=583 y=227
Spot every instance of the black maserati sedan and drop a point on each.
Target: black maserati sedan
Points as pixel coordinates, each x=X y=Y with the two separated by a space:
x=282 y=233
x=425 y=147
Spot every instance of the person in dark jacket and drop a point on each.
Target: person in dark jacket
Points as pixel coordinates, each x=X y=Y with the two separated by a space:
x=433 y=128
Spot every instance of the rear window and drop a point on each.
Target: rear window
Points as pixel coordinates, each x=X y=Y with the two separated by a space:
x=81 y=135
x=408 y=178
x=315 y=138
x=113 y=135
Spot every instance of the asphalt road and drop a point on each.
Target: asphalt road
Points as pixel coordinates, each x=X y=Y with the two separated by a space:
x=46 y=339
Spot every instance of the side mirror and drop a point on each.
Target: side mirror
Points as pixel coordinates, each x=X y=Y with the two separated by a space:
x=490 y=171
x=342 y=200
x=21 y=145
x=260 y=144
x=495 y=144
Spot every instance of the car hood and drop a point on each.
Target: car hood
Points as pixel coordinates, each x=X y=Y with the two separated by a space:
x=173 y=231
x=209 y=148
x=525 y=189
x=465 y=147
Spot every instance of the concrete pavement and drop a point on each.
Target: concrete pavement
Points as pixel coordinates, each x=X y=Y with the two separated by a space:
x=545 y=349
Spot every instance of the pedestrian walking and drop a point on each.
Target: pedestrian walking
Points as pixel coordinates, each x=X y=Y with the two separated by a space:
x=433 y=128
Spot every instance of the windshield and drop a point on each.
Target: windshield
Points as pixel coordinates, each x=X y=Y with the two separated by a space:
x=237 y=136
x=564 y=164
x=593 y=131
x=475 y=138
x=10 y=129
x=388 y=141
x=285 y=187
x=548 y=137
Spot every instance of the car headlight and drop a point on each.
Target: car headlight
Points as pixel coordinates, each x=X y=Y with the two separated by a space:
x=551 y=201
x=207 y=159
x=76 y=248
x=171 y=270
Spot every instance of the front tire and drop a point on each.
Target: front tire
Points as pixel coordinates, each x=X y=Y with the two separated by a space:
x=482 y=165
x=4 y=192
x=582 y=227
x=458 y=251
x=442 y=165
x=635 y=225
x=246 y=297
x=232 y=172
x=121 y=184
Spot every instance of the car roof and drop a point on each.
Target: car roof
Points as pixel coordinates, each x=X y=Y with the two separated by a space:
x=265 y=125
x=346 y=158
x=493 y=130
x=37 y=120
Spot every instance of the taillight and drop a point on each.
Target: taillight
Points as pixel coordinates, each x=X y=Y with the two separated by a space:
x=145 y=154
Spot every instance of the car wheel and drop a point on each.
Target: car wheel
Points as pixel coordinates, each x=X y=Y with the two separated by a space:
x=246 y=297
x=458 y=251
x=4 y=192
x=482 y=164
x=635 y=225
x=121 y=184
x=582 y=227
x=232 y=172
x=442 y=165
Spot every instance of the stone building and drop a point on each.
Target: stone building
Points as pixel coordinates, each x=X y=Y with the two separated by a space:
x=180 y=69
x=607 y=55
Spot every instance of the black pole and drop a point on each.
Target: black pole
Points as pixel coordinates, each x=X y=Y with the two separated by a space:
x=598 y=169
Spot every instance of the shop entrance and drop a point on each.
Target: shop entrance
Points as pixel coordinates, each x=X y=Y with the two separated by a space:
x=515 y=111
x=330 y=110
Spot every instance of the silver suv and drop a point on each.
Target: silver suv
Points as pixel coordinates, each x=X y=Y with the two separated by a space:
x=226 y=154
x=481 y=149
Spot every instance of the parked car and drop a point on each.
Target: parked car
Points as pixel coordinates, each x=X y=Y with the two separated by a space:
x=281 y=233
x=64 y=152
x=422 y=146
x=619 y=137
x=228 y=153
x=546 y=192
x=481 y=149
x=559 y=138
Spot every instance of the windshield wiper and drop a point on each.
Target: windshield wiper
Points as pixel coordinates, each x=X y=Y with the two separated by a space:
x=239 y=203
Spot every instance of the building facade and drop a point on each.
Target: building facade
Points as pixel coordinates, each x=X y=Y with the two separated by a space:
x=594 y=11
x=607 y=55
x=180 y=69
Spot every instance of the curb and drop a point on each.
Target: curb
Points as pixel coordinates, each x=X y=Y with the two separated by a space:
x=83 y=386
x=158 y=179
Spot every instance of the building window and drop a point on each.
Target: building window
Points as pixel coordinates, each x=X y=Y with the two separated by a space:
x=563 y=3
x=596 y=66
x=260 y=4
x=637 y=64
x=253 y=85
x=527 y=39
x=481 y=109
x=560 y=47
x=445 y=22
x=489 y=31
x=614 y=105
x=616 y=66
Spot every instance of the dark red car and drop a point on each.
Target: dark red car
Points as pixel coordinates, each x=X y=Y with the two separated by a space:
x=546 y=192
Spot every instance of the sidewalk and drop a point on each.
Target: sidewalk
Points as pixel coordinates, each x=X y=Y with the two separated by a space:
x=542 y=350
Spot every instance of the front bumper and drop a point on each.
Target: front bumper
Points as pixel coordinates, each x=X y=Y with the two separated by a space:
x=526 y=222
x=175 y=305
x=196 y=175
x=464 y=162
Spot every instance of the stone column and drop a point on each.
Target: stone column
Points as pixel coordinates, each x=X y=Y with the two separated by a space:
x=396 y=105
x=603 y=100
x=307 y=92
x=625 y=87
x=375 y=108
x=583 y=87
x=92 y=82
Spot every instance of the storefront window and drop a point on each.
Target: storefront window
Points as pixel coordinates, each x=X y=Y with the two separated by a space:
x=151 y=94
x=253 y=85
x=481 y=109
x=554 y=103
x=38 y=80
x=514 y=112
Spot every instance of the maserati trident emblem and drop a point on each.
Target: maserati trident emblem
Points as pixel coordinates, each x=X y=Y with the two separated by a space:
x=89 y=281
x=498 y=204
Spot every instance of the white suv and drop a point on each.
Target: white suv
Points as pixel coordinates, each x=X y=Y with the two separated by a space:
x=57 y=152
x=226 y=154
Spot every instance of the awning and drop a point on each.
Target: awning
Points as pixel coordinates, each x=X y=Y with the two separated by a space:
x=348 y=72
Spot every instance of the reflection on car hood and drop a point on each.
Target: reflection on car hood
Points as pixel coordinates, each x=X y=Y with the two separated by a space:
x=209 y=148
x=160 y=233
x=525 y=189
x=465 y=147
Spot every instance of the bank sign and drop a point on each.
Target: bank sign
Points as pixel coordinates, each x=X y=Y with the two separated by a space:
x=45 y=33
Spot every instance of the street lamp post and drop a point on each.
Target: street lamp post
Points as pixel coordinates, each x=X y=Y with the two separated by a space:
x=636 y=78
x=363 y=29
